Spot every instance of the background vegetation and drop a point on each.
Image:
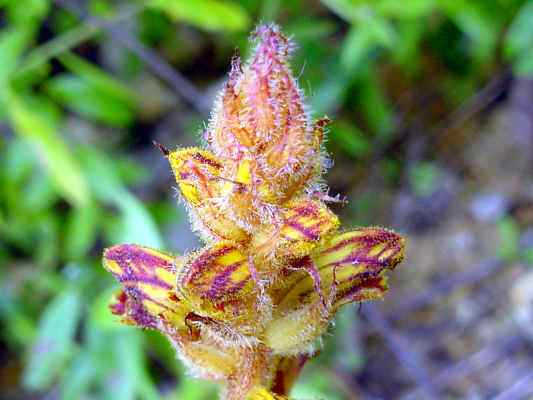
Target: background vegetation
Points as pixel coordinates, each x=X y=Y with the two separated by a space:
x=432 y=135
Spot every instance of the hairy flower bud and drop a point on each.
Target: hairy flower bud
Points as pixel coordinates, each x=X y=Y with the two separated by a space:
x=261 y=120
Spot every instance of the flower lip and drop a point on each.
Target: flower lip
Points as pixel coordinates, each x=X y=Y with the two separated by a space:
x=148 y=279
x=347 y=261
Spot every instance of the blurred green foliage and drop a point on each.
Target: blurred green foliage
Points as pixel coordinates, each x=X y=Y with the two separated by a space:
x=71 y=111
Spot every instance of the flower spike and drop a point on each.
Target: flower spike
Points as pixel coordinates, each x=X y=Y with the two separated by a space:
x=247 y=309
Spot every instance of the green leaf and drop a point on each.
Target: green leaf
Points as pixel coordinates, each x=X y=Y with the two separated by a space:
x=310 y=30
x=518 y=44
x=355 y=48
x=480 y=26
x=32 y=121
x=102 y=175
x=46 y=250
x=12 y=44
x=100 y=315
x=88 y=100
x=270 y=10
x=406 y=49
x=523 y=65
x=133 y=375
x=55 y=340
x=38 y=193
x=380 y=29
x=27 y=14
x=118 y=357
x=17 y=162
x=80 y=231
x=405 y=8
x=78 y=377
x=519 y=37
x=349 y=10
x=16 y=168
x=423 y=177
x=528 y=256
x=20 y=329
x=211 y=15
x=346 y=322
x=509 y=238
x=137 y=225
x=99 y=79
x=329 y=95
x=54 y=47
x=93 y=93
x=349 y=138
x=315 y=384
x=190 y=389
x=374 y=104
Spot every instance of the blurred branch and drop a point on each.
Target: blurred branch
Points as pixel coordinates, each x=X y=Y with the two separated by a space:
x=476 y=103
x=56 y=46
x=471 y=107
x=488 y=355
x=402 y=350
x=159 y=66
x=483 y=98
x=66 y=41
x=444 y=287
x=521 y=389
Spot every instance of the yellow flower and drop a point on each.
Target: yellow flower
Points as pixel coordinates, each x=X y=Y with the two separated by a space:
x=246 y=309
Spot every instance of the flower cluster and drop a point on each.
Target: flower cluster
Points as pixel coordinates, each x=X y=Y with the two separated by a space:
x=247 y=308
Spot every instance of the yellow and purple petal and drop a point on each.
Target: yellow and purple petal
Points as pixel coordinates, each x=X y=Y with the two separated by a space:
x=355 y=262
x=351 y=267
x=199 y=177
x=305 y=225
x=219 y=282
x=148 y=280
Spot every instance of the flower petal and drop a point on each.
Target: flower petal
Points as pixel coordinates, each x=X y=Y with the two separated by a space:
x=219 y=283
x=196 y=171
x=354 y=263
x=306 y=223
x=373 y=248
x=148 y=279
x=351 y=267
x=255 y=109
x=199 y=177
